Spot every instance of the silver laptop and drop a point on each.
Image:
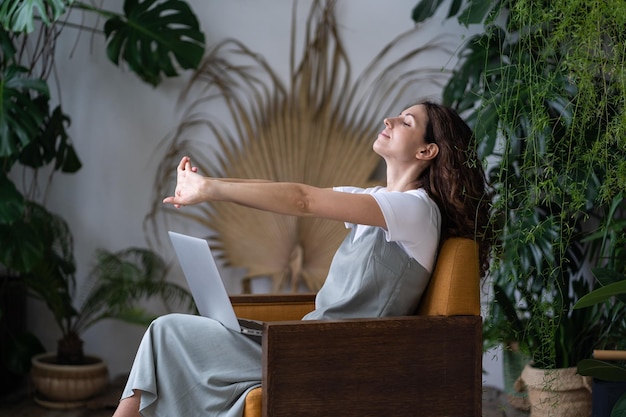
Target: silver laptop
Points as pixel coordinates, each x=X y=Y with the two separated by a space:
x=207 y=287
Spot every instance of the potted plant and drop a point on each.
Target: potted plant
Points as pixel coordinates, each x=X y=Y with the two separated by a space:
x=543 y=87
x=116 y=285
x=34 y=142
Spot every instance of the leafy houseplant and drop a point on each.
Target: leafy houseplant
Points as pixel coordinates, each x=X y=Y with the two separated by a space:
x=154 y=38
x=543 y=88
x=33 y=136
x=117 y=282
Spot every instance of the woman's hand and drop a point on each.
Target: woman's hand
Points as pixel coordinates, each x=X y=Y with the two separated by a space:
x=190 y=186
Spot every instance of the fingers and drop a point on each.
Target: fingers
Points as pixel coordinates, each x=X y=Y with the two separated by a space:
x=188 y=164
x=185 y=165
x=170 y=200
x=182 y=163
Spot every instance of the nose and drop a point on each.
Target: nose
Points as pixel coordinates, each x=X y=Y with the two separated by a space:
x=387 y=122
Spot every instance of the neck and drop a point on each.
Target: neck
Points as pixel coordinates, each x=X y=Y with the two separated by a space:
x=403 y=179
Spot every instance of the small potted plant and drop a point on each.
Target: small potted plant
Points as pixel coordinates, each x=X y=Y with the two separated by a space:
x=116 y=285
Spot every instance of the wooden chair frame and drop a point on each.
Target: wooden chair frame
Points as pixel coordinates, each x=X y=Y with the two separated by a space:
x=402 y=366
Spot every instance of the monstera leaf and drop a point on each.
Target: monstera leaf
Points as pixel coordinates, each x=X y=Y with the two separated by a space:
x=11 y=202
x=20 y=116
x=19 y=15
x=151 y=34
x=52 y=144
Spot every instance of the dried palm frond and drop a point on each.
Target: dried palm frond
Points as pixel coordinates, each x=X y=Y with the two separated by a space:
x=318 y=130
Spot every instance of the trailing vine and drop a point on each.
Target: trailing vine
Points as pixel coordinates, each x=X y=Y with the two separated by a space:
x=544 y=87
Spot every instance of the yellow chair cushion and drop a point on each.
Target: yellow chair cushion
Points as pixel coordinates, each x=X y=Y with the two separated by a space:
x=454 y=287
x=253 y=403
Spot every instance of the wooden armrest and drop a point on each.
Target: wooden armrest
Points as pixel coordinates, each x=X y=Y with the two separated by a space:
x=402 y=366
x=273 y=307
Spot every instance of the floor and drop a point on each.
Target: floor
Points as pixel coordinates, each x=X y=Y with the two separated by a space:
x=21 y=404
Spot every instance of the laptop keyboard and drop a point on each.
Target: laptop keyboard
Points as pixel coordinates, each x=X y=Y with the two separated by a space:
x=251 y=324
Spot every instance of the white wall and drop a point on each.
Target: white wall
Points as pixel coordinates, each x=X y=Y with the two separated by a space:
x=117 y=122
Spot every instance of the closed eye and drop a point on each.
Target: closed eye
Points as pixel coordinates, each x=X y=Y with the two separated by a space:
x=408 y=117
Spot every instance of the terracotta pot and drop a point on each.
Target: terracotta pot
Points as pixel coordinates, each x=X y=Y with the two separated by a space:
x=66 y=386
x=557 y=392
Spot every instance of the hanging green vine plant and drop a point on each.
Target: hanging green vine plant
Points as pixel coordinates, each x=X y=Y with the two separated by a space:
x=545 y=89
x=316 y=129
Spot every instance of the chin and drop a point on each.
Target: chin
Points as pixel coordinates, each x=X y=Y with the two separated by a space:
x=375 y=147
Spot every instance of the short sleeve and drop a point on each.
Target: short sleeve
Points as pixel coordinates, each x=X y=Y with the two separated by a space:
x=413 y=220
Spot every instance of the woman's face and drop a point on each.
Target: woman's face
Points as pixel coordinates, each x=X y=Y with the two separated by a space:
x=402 y=139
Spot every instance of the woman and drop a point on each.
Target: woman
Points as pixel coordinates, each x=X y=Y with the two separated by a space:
x=189 y=365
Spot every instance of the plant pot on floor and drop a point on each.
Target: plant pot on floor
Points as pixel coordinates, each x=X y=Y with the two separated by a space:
x=67 y=386
x=557 y=392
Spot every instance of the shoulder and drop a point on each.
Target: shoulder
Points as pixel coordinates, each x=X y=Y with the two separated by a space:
x=408 y=214
x=412 y=198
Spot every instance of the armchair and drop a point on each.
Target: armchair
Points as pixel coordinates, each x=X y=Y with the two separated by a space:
x=429 y=364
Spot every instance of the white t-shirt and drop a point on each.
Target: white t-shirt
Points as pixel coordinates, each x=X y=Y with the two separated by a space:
x=413 y=221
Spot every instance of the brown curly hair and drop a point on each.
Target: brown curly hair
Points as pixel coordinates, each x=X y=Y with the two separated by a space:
x=456 y=181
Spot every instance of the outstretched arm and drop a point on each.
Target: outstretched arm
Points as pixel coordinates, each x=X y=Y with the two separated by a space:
x=292 y=199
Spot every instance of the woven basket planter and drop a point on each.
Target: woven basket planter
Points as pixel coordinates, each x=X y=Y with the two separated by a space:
x=67 y=386
x=556 y=392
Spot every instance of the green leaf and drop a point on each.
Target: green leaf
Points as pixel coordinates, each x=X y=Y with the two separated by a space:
x=619 y=409
x=601 y=294
x=425 y=9
x=607 y=276
x=21 y=248
x=52 y=145
x=11 y=201
x=7 y=49
x=20 y=115
x=486 y=129
x=602 y=370
x=19 y=15
x=475 y=12
x=455 y=6
x=119 y=281
x=152 y=35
